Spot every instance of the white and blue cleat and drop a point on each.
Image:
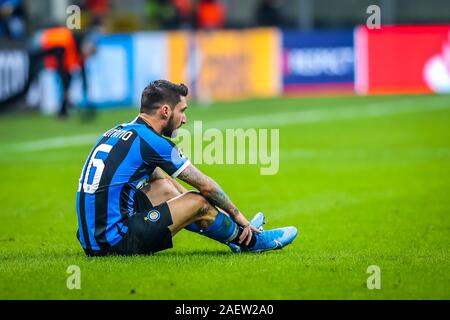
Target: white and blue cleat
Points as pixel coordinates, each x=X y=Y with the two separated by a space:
x=267 y=239
x=273 y=239
x=257 y=221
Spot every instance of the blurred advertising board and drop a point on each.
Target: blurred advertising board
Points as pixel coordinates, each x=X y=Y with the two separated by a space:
x=122 y=66
x=150 y=60
x=218 y=65
x=403 y=59
x=13 y=72
x=317 y=61
x=117 y=73
x=110 y=71
x=223 y=65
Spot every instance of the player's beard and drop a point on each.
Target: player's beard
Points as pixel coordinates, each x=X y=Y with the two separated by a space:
x=170 y=129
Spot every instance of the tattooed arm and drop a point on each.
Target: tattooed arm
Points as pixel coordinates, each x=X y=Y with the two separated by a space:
x=213 y=192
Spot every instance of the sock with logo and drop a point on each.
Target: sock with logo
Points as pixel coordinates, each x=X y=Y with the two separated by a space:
x=223 y=229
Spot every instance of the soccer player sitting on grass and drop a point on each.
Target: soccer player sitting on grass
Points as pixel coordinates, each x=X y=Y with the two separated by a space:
x=128 y=201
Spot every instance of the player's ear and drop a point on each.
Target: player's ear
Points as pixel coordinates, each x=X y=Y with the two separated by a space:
x=165 y=110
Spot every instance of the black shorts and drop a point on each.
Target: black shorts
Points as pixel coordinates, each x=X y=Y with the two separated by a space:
x=147 y=233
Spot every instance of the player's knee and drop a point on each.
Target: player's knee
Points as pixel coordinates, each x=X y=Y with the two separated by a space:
x=168 y=189
x=206 y=213
x=201 y=204
x=207 y=218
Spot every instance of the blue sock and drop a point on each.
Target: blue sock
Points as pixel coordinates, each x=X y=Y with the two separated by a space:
x=223 y=229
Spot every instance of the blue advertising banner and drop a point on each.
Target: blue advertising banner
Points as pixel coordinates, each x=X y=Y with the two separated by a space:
x=318 y=59
x=110 y=72
x=117 y=73
x=150 y=56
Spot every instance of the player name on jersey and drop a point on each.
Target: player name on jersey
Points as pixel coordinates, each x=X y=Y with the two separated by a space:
x=118 y=133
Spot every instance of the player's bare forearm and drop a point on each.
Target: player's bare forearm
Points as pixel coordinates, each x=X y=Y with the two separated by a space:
x=211 y=191
x=216 y=196
x=219 y=198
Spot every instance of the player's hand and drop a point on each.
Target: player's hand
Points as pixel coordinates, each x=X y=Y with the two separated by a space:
x=247 y=234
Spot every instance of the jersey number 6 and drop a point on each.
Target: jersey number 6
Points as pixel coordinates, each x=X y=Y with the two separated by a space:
x=98 y=165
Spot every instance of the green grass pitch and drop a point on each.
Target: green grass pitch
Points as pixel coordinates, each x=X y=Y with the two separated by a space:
x=365 y=180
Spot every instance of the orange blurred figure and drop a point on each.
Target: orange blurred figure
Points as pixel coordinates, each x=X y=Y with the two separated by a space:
x=210 y=14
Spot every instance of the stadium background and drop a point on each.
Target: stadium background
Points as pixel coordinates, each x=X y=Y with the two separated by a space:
x=364 y=146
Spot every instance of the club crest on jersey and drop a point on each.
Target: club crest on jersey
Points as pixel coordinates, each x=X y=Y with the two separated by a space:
x=152 y=215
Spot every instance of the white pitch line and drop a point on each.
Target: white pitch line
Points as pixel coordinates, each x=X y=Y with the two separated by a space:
x=260 y=121
x=358 y=153
x=323 y=115
x=56 y=143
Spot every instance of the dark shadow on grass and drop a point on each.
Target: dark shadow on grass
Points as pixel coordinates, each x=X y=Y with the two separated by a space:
x=186 y=253
x=68 y=254
x=207 y=253
x=200 y=253
x=174 y=254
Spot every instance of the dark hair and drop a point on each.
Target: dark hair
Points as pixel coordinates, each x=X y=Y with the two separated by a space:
x=161 y=92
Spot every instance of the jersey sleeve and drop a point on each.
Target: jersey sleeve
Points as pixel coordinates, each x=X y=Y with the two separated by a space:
x=163 y=153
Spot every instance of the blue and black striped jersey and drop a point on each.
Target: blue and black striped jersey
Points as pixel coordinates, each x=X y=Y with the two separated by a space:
x=122 y=160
